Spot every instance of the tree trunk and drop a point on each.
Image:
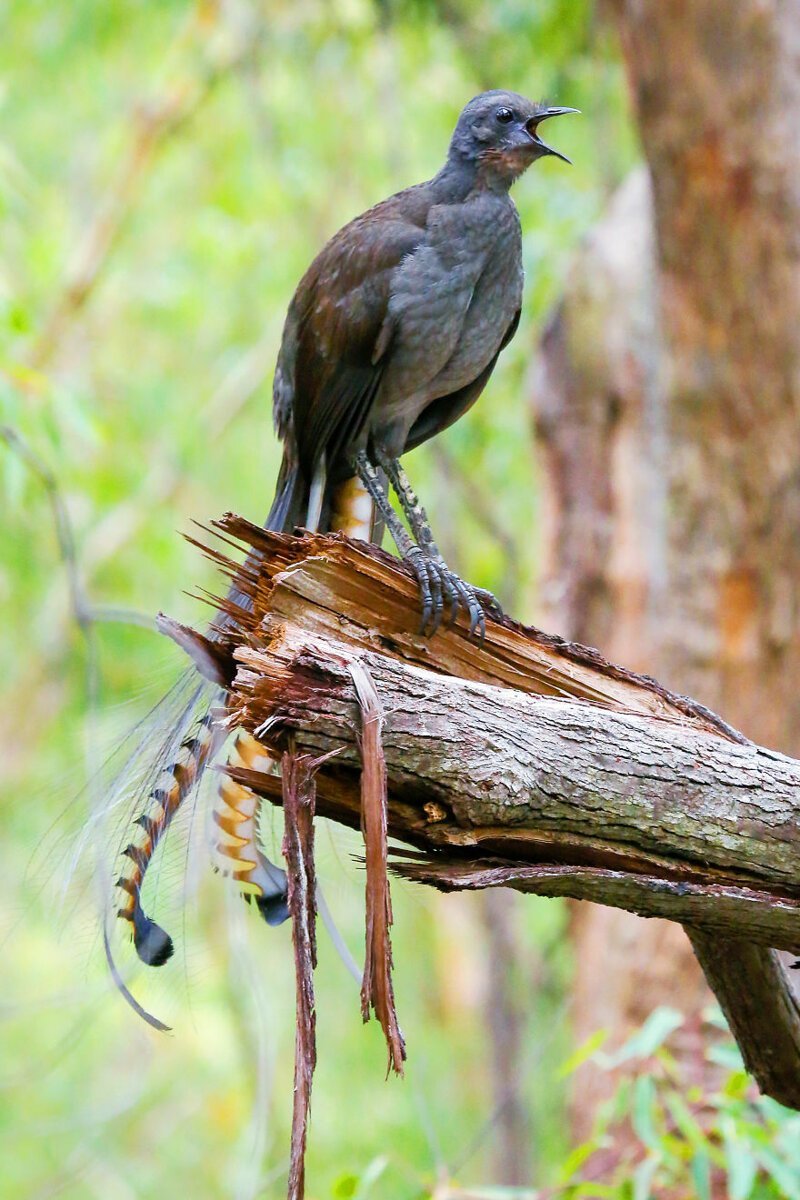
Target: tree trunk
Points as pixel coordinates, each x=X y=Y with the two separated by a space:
x=668 y=405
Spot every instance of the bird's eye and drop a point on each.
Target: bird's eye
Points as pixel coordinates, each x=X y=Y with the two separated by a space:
x=504 y=115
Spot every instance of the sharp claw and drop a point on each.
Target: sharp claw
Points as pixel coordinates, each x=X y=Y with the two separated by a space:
x=465 y=596
x=436 y=595
x=489 y=603
x=420 y=568
x=450 y=594
x=474 y=608
x=474 y=618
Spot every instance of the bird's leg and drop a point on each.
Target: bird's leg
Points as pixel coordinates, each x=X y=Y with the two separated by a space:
x=430 y=584
x=449 y=590
x=453 y=588
x=409 y=502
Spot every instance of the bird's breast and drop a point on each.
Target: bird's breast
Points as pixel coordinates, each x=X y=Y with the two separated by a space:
x=494 y=300
x=453 y=301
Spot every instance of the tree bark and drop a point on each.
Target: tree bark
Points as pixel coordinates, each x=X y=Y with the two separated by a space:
x=668 y=405
x=663 y=818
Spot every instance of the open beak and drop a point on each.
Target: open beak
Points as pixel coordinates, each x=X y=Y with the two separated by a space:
x=533 y=124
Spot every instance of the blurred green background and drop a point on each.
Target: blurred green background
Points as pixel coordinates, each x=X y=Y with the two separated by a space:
x=167 y=171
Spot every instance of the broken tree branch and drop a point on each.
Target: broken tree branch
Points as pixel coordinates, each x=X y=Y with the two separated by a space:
x=377 y=992
x=298 y=806
x=524 y=762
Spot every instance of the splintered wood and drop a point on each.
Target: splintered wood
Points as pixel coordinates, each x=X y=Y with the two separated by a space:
x=523 y=761
x=297 y=784
x=377 y=991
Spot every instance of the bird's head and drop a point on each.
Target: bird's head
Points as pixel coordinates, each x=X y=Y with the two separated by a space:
x=499 y=132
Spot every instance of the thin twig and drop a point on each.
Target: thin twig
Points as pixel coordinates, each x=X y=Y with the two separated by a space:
x=84 y=613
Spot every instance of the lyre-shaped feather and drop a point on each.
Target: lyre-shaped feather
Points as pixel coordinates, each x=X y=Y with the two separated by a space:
x=178 y=780
x=236 y=851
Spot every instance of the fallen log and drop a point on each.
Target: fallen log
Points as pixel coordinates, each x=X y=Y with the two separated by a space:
x=522 y=762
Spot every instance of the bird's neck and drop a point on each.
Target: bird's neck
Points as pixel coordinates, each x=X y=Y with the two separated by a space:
x=460 y=177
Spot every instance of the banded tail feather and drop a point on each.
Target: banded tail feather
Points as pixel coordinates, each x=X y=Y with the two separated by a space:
x=237 y=852
x=178 y=779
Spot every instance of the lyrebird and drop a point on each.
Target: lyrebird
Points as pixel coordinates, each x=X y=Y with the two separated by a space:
x=390 y=337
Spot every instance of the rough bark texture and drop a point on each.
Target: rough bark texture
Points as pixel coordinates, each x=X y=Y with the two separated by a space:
x=668 y=409
x=608 y=788
x=718 y=103
x=675 y=820
x=377 y=989
x=600 y=429
x=605 y=786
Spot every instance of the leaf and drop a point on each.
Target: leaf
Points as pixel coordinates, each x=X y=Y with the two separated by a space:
x=701 y=1174
x=785 y=1140
x=736 y=1086
x=643 y=1177
x=740 y=1162
x=583 y=1053
x=725 y=1054
x=687 y=1123
x=644 y=1099
x=577 y=1157
x=371 y=1174
x=775 y=1111
x=345 y=1187
x=598 y=1191
x=781 y=1174
x=659 y=1025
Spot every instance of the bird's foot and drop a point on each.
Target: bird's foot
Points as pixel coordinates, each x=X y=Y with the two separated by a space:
x=441 y=588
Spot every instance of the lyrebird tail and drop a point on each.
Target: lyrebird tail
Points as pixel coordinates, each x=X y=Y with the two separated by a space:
x=290 y=504
x=153 y=944
x=297 y=502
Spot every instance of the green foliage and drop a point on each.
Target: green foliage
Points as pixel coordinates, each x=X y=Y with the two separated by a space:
x=685 y=1123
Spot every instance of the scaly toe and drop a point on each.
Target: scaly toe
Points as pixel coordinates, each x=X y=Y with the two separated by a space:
x=437 y=589
x=477 y=621
x=468 y=599
x=419 y=566
x=450 y=595
x=489 y=603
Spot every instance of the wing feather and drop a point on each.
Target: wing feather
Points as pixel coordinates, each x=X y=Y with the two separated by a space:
x=339 y=333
